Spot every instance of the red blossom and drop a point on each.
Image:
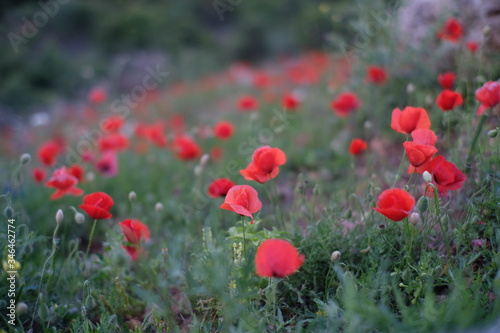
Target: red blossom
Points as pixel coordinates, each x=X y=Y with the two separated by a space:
x=38 y=175
x=451 y=31
x=243 y=200
x=277 y=258
x=290 y=102
x=223 y=130
x=488 y=95
x=409 y=119
x=357 y=146
x=265 y=164
x=97 y=205
x=448 y=100
x=185 y=148
x=447 y=80
x=376 y=75
x=395 y=204
x=344 y=104
x=248 y=103
x=64 y=183
x=220 y=187
x=134 y=231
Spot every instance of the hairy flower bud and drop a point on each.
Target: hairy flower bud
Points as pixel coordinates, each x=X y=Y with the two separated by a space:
x=335 y=256
x=423 y=204
x=59 y=216
x=493 y=133
x=427 y=176
x=132 y=196
x=79 y=218
x=25 y=158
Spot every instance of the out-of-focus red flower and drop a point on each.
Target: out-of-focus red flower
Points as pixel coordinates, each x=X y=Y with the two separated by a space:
x=451 y=30
x=265 y=164
x=424 y=136
x=156 y=134
x=177 y=124
x=376 y=75
x=64 y=183
x=77 y=171
x=185 y=148
x=448 y=99
x=445 y=175
x=107 y=165
x=409 y=119
x=471 y=46
x=248 y=103
x=261 y=80
x=277 y=258
x=395 y=204
x=38 y=175
x=290 y=102
x=112 y=124
x=223 y=130
x=357 y=146
x=344 y=104
x=447 y=80
x=97 y=96
x=243 y=200
x=87 y=156
x=134 y=231
x=220 y=187
x=97 y=205
x=488 y=95
x=113 y=141
x=48 y=152
x=216 y=153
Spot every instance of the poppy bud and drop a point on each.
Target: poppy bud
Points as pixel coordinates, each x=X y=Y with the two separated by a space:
x=415 y=218
x=59 y=216
x=427 y=176
x=90 y=176
x=21 y=308
x=493 y=133
x=198 y=170
x=335 y=256
x=8 y=212
x=410 y=88
x=79 y=218
x=429 y=100
x=132 y=196
x=204 y=159
x=25 y=158
x=423 y=204
x=486 y=31
x=158 y=207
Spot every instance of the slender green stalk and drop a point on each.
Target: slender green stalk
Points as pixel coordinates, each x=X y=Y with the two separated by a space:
x=277 y=203
x=473 y=144
x=400 y=164
x=90 y=238
x=244 y=238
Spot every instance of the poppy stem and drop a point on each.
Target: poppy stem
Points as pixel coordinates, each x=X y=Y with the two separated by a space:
x=244 y=238
x=90 y=238
x=400 y=164
x=277 y=202
x=438 y=214
x=473 y=144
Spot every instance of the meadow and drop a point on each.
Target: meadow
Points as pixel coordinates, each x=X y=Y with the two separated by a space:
x=318 y=192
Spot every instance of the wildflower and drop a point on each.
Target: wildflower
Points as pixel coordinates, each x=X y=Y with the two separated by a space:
x=216 y=153
x=418 y=154
x=77 y=171
x=185 y=148
x=488 y=95
x=64 y=182
x=134 y=231
x=156 y=134
x=97 y=205
x=59 y=216
x=112 y=124
x=220 y=187
x=335 y=256
x=277 y=258
x=223 y=130
x=471 y=46
x=108 y=164
x=265 y=164
x=445 y=175
x=451 y=30
x=409 y=119
x=113 y=141
x=447 y=80
x=345 y=103
x=357 y=146
x=376 y=75
x=97 y=96
x=290 y=102
x=48 y=152
x=448 y=99
x=38 y=175
x=25 y=158
x=243 y=200
x=248 y=103
x=395 y=204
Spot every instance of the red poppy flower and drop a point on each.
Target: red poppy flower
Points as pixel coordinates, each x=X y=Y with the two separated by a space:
x=418 y=154
x=451 y=30
x=64 y=183
x=447 y=80
x=48 y=152
x=488 y=95
x=113 y=141
x=97 y=205
x=97 y=96
x=112 y=124
x=243 y=200
x=357 y=146
x=223 y=130
x=395 y=204
x=265 y=164
x=38 y=175
x=77 y=171
x=220 y=187
x=424 y=136
x=156 y=134
x=185 y=148
x=108 y=164
x=409 y=119
x=216 y=153
x=277 y=258
x=248 y=103
x=471 y=46
x=290 y=102
x=345 y=103
x=445 y=175
x=376 y=75
x=134 y=231
x=177 y=124
x=448 y=99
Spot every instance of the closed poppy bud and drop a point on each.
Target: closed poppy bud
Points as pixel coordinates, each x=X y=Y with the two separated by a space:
x=132 y=196
x=277 y=258
x=427 y=176
x=59 y=216
x=25 y=158
x=395 y=204
x=158 y=207
x=8 y=212
x=493 y=133
x=423 y=204
x=79 y=218
x=335 y=256
x=415 y=218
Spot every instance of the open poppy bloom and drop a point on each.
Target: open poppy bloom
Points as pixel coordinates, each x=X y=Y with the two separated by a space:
x=97 y=205
x=449 y=99
x=48 y=152
x=243 y=200
x=113 y=141
x=395 y=204
x=185 y=148
x=445 y=175
x=277 y=258
x=409 y=119
x=223 y=130
x=451 y=30
x=376 y=75
x=77 y=171
x=220 y=187
x=248 y=103
x=471 y=46
x=156 y=134
x=290 y=102
x=488 y=95
x=97 y=96
x=134 y=231
x=64 y=182
x=357 y=146
x=344 y=104
x=447 y=80
x=112 y=124
x=417 y=153
x=38 y=175
x=107 y=165
x=265 y=164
